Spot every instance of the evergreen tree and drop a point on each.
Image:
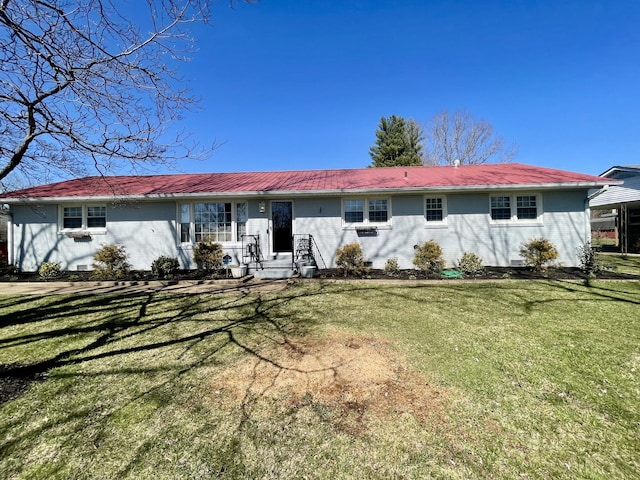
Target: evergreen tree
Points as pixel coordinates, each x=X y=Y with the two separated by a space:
x=398 y=143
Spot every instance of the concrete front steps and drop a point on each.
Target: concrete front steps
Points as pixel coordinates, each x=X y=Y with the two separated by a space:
x=274 y=267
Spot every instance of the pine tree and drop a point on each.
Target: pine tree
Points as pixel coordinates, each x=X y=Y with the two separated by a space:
x=398 y=143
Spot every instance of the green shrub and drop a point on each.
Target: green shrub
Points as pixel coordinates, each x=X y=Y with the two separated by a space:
x=165 y=267
x=538 y=253
x=49 y=270
x=588 y=259
x=208 y=255
x=428 y=257
x=110 y=263
x=391 y=267
x=350 y=260
x=470 y=264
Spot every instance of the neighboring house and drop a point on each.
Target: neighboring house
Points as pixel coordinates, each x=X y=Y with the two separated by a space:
x=486 y=209
x=623 y=203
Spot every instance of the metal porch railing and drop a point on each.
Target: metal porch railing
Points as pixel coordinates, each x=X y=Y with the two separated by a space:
x=305 y=249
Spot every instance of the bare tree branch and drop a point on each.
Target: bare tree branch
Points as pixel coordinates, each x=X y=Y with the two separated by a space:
x=82 y=87
x=461 y=137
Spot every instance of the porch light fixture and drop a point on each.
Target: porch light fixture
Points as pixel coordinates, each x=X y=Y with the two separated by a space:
x=262 y=206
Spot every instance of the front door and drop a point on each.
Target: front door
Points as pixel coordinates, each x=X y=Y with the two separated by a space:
x=282 y=226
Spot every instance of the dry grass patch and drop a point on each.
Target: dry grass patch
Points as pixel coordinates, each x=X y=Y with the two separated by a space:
x=345 y=379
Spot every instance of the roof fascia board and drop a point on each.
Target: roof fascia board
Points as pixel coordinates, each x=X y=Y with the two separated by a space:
x=620 y=168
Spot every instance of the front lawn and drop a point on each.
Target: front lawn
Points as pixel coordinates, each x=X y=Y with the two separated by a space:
x=325 y=380
x=616 y=262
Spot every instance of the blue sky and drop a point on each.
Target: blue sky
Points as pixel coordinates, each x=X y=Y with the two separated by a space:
x=303 y=84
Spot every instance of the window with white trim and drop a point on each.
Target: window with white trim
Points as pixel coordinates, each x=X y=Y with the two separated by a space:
x=221 y=222
x=526 y=207
x=501 y=207
x=435 y=209
x=84 y=217
x=378 y=210
x=365 y=211
x=242 y=214
x=212 y=221
x=516 y=208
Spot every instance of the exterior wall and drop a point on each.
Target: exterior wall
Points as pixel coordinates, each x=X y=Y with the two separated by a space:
x=468 y=228
x=148 y=230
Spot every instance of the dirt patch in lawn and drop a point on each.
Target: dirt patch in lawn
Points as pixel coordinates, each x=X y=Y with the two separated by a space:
x=346 y=381
x=16 y=379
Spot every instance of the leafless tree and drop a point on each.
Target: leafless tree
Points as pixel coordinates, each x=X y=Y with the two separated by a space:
x=461 y=137
x=83 y=87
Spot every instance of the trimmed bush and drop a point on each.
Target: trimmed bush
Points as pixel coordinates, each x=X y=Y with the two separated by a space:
x=350 y=260
x=110 y=263
x=391 y=267
x=165 y=267
x=538 y=253
x=470 y=264
x=208 y=255
x=49 y=270
x=588 y=259
x=428 y=257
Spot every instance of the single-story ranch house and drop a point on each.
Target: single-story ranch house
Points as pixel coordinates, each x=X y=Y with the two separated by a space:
x=488 y=209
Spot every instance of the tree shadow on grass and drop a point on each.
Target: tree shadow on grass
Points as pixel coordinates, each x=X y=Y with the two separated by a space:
x=111 y=322
x=197 y=328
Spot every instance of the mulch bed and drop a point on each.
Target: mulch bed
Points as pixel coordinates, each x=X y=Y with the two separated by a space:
x=489 y=273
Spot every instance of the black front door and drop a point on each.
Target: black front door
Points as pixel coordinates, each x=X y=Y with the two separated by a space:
x=282 y=225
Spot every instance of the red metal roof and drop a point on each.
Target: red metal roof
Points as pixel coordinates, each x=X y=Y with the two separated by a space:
x=505 y=175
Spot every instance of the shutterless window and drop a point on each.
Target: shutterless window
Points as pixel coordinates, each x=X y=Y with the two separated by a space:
x=501 y=208
x=433 y=210
x=354 y=211
x=241 y=220
x=72 y=217
x=185 y=223
x=96 y=217
x=378 y=212
x=212 y=221
x=527 y=208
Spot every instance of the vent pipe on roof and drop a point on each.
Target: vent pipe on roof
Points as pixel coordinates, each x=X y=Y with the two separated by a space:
x=405 y=174
x=456 y=163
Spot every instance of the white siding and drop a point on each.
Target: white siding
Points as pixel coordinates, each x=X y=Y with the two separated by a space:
x=148 y=230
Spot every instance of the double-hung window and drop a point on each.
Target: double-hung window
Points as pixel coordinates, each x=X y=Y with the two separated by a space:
x=501 y=207
x=354 y=211
x=216 y=221
x=516 y=208
x=378 y=210
x=84 y=217
x=366 y=211
x=435 y=210
x=526 y=207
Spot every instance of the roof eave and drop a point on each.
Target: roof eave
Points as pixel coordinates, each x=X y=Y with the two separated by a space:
x=309 y=193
